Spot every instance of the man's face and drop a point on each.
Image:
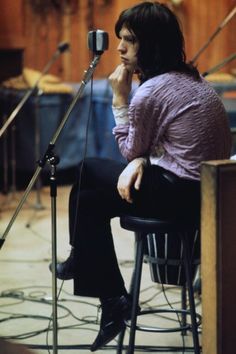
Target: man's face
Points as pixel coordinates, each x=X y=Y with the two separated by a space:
x=128 y=48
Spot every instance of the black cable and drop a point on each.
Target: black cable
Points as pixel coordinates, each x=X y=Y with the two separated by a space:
x=145 y=304
x=19 y=294
x=37 y=317
x=168 y=302
x=82 y=161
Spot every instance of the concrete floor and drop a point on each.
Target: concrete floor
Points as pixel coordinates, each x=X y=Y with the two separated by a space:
x=26 y=284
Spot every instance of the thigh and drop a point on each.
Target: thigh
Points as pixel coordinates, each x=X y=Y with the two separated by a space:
x=100 y=174
x=164 y=194
x=95 y=191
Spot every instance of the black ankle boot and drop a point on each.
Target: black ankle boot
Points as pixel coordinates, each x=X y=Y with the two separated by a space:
x=65 y=270
x=114 y=312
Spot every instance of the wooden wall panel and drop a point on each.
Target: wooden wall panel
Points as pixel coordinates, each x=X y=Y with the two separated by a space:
x=12 y=25
x=75 y=27
x=72 y=22
x=200 y=21
x=218 y=256
x=12 y=38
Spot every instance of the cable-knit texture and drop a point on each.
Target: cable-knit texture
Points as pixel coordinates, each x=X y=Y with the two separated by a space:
x=178 y=122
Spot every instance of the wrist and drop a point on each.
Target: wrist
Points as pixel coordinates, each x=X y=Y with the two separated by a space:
x=140 y=161
x=120 y=114
x=144 y=161
x=118 y=101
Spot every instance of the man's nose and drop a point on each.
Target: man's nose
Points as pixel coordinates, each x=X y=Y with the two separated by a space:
x=121 y=47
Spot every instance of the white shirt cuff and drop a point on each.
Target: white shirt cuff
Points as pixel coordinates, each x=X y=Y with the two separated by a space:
x=120 y=114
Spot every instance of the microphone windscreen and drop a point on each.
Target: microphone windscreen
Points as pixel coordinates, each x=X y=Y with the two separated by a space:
x=98 y=41
x=63 y=46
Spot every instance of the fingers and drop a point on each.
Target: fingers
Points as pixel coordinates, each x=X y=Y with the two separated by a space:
x=138 y=180
x=121 y=74
x=121 y=83
x=126 y=196
x=131 y=176
x=116 y=73
x=124 y=191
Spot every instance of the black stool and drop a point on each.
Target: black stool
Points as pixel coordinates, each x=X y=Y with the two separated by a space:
x=143 y=228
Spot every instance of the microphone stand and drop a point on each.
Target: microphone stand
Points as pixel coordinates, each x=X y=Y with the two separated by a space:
x=219 y=28
x=220 y=65
x=60 y=49
x=53 y=160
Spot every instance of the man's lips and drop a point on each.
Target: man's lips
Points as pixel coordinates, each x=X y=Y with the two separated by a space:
x=124 y=60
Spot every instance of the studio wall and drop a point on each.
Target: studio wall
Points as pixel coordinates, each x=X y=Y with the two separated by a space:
x=35 y=27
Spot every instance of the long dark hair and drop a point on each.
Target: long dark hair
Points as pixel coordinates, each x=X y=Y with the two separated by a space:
x=161 y=42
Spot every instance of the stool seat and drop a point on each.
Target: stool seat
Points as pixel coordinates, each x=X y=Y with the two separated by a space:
x=142 y=224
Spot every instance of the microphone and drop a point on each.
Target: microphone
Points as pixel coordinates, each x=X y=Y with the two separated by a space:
x=98 y=41
x=63 y=46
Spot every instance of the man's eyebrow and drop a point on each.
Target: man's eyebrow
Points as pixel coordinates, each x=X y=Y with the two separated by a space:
x=129 y=37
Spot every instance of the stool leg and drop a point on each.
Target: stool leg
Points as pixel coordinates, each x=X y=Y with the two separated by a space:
x=184 y=307
x=136 y=281
x=120 y=342
x=188 y=272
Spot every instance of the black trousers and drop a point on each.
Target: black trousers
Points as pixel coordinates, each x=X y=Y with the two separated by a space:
x=94 y=201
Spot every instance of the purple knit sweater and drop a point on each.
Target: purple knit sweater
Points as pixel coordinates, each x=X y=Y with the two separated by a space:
x=176 y=121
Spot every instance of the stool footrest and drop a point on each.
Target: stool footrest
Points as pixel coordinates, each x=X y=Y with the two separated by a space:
x=181 y=328
x=164 y=261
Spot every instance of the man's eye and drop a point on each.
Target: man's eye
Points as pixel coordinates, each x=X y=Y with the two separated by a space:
x=131 y=39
